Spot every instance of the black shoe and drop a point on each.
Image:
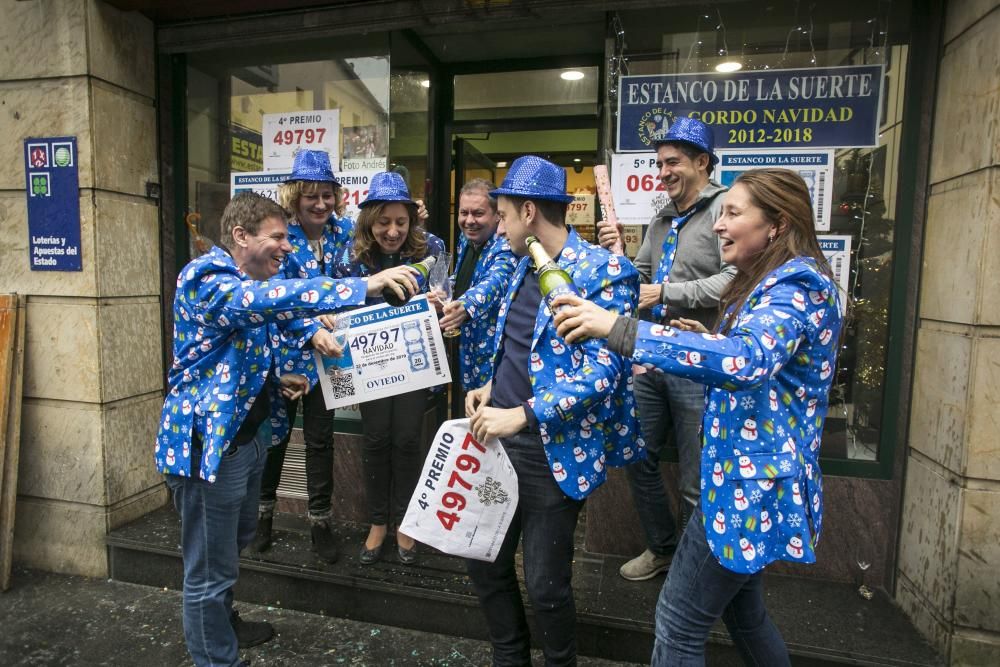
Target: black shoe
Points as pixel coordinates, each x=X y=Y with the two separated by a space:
x=262 y=540
x=323 y=543
x=250 y=633
x=407 y=556
x=369 y=556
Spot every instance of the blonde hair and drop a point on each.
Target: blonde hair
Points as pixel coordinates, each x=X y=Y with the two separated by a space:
x=366 y=249
x=290 y=193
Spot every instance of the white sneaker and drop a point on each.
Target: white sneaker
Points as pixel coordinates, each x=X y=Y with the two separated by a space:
x=644 y=566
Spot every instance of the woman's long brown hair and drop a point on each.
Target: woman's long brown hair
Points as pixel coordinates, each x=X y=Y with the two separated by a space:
x=366 y=248
x=783 y=197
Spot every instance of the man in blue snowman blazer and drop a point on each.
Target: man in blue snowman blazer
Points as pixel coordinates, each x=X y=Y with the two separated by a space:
x=562 y=412
x=224 y=408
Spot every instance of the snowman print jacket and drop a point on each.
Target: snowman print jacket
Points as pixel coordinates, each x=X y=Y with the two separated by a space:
x=481 y=301
x=582 y=394
x=226 y=334
x=301 y=263
x=768 y=384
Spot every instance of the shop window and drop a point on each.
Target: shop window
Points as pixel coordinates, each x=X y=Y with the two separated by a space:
x=859 y=188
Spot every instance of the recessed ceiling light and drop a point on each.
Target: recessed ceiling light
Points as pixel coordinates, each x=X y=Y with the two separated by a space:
x=572 y=75
x=426 y=83
x=729 y=66
x=576 y=159
x=501 y=164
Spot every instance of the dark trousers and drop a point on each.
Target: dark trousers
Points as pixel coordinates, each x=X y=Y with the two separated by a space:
x=546 y=518
x=390 y=457
x=698 y=590
x=667 y=405
x=317 y=427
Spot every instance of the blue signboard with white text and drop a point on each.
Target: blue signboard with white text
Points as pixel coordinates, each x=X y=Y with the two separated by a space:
x=819 y=107
x=53 y=191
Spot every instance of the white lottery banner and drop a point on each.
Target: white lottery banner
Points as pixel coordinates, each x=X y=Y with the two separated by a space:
x=388 y=351
x=837 y=250
x=264 y=183
x=285 y=133
x=636 y=188
x=355 y=184
x=466 y=496
x=814 y=166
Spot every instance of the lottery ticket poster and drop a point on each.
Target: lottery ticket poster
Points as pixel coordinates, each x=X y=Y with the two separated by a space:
x=636 y=188
x=837 y=250
x=285 y=133
x=466 y=496
x=814 y=166
x=388 y=351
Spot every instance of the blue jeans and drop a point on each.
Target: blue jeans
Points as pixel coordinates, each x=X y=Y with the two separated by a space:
x=547 y=520
x=699 y=590
x=217 y=521
x=666 y=403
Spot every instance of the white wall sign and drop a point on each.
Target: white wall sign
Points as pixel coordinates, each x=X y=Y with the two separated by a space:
x=284 y=133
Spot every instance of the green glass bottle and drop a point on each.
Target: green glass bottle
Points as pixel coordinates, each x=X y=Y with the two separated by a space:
x=552 y=279
x=424 y=267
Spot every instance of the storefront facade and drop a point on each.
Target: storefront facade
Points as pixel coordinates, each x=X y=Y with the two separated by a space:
x=175 y=110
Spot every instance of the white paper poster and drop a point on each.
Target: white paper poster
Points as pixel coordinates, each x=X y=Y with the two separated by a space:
x=580 y=211
x=466 y=496
x=355 y=184
x=837 y=250
x=636 y=188
x=389 y=351
x=284 y=133
x=814 y=166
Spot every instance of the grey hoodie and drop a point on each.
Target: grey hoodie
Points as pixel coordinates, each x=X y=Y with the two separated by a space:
x=698 y=275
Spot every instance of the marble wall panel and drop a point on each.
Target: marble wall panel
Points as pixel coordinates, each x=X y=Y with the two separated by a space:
x=126 y=136
x=129 y=433
x=955 y=237
x=44 y=108
x=982 y=455
x=128 y=245
x=940 y=394
x=45 y=38
x=960 y=14
x=966 y=134
x=60 y=352
x=131 y=363
x=61 y=537
x=989 y=301
x=974 y=651
x=138 y=505
x=928 y=540
x=61 y=453
x=121 y=47
x=922 y=614
x=977 y=596
x=15 y=259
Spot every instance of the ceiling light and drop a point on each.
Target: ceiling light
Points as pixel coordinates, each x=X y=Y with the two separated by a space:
x=501 y=164
x=576 y=159
x=729 y=66
x=425 y=83
x=571 y=75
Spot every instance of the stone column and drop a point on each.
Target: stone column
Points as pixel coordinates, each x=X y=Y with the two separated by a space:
x=93 y=372
x=949 y=551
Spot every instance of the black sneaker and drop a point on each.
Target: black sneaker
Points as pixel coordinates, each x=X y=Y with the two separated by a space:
x=251 y=633
x=323 y=542
x=262 y=540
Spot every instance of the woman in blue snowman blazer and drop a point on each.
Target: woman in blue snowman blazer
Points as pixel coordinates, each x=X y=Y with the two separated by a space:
x=769 y=367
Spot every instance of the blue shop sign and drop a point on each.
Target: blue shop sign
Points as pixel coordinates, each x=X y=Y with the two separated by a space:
x=52 y=182
x=818 y=107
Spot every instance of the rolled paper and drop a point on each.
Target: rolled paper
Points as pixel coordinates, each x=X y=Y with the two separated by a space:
x=607 y=203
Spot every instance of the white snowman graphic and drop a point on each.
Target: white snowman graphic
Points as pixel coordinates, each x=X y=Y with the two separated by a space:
x=557 y=347
x=310 y=296
x=765 y=484
x=614 y=266
x=747 y=468
x=344 y=292
x=825 y=370
x=582 y=484
x=717 y=477
x=733 y=365
x=800 y=393
x=558 y=471
x=769 y=341
x=171 y=457
x=627 y=453
x=186 y=450
x=739 y=499
x=765 y=521
x=824 y=336
x=223 y=321
x=817 y=297
x=794 y=547
x=689 y=358
x=772 y=400
x=247 y=299
x=811 y=407
x=764 y=302
x=312 y=265
x=714 y=429
x=608 y=293
x=603 y=357
x=796 y=495
x=601 y=384
x=277 y=292
x=536 y=362
x=749 y=430
x=622 y=429
x=579 y=454
x=719 y=523
x=817 y=317
x=771 y=280
x=585 y=432
x=798 y=301
x=749 y=553
x=567 y=402
x=560 y=375
x=599 y=464
x=206 y=345
x=186 y=407
x=816 y=502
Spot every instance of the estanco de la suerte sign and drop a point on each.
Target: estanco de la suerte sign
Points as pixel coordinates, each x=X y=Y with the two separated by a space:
x=821 y=107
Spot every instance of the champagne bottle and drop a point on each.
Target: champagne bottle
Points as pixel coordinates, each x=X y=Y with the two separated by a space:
x=424 y=270
x=552 y=279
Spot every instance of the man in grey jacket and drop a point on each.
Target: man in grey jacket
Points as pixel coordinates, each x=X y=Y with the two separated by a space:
x=683 y=274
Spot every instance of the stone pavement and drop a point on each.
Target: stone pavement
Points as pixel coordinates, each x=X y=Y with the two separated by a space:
x=52 y=620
